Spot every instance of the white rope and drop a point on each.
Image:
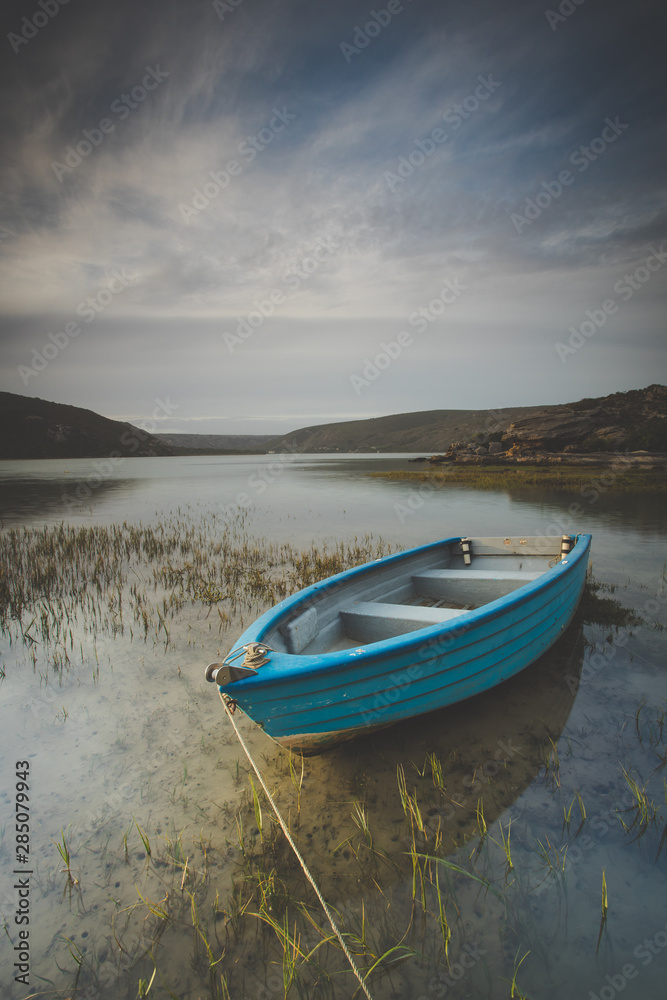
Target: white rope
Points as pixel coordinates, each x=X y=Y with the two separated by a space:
x=296 y=851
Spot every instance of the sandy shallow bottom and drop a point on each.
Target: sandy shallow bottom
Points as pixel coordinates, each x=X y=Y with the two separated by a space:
x=135 y=771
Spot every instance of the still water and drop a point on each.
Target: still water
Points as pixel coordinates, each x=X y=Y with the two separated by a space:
x=550 y=811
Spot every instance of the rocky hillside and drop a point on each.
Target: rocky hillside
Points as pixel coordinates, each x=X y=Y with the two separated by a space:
x=625 y=420
x=629 y=421
x=36 y=428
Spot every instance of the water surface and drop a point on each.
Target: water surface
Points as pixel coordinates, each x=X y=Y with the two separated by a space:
x=124 y=737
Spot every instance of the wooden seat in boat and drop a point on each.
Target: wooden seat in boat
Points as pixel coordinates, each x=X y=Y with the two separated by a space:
x=371 y=621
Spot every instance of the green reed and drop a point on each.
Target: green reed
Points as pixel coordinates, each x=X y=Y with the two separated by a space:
x=481 y=822
x=64 y=852
x=143 y=987
x=436 y=771
x=604 y=906
x=505 y=844
x=643 y=811
x=360 y=819
x=77 y=955
x=553 y=857
x=514 y=989
x=144 y=839
x=442 y=917
x=409 y=803
x=567 y=813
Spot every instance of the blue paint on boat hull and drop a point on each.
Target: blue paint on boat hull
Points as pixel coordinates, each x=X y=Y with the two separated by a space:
x=310 y=702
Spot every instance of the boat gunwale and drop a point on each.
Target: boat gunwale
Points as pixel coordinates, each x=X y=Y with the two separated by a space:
x=283 y=666
x=450 y=673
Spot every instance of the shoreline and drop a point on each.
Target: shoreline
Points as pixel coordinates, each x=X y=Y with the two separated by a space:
x=557 y=476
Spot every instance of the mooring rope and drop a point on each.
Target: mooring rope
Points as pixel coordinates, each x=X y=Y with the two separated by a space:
x=303 y=864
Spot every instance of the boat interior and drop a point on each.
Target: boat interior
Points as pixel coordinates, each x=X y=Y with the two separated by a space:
x=427 y=588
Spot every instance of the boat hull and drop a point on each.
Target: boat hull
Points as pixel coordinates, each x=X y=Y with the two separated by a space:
x=310 y=703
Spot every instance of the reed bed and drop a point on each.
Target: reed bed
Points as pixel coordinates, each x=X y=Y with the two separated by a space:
x=570 y=478
x=126 y=578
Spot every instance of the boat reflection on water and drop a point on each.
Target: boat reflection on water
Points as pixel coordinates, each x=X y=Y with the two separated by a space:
x=460 y=763
x=368 y=816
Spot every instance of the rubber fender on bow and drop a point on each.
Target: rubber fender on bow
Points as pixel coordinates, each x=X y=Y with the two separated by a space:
x=226 y=673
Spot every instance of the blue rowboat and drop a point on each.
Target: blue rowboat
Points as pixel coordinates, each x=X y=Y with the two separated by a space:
x=401 y=636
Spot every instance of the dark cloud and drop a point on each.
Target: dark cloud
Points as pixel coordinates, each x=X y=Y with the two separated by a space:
x=279 y=148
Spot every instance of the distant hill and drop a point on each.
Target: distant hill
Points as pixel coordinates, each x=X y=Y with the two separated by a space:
x=217 y=444
x=426 y=431
x=36 y=428
x=630 y=420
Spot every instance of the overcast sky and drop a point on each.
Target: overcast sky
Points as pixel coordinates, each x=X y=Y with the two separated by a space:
x=224 y=213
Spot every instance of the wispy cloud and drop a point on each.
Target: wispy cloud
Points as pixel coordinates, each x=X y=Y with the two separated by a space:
x=261 y=140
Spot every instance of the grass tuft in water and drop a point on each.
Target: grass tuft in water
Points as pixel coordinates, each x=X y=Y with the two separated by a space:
x=64 y=852
x=514 y=989
x=567 y=814
x=604 y=907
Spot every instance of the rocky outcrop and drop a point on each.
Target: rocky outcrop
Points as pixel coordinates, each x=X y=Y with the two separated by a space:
x=591 y=431
x=551 y=431
x=625 y=420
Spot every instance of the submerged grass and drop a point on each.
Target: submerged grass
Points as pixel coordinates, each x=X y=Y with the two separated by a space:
x=64 y=852
x=134 y=580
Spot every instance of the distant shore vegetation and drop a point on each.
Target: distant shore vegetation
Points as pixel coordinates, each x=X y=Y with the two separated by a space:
x=587 y=480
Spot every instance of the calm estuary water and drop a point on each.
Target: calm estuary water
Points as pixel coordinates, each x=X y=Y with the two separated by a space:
x=550 y=811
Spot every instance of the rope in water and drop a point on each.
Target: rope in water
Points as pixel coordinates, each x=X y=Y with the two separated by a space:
x=303 y=864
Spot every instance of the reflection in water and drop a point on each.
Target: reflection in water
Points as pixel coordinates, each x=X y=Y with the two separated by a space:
x=460 y=768
x=58 y=499
x=598 y=507
x=488 y=746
